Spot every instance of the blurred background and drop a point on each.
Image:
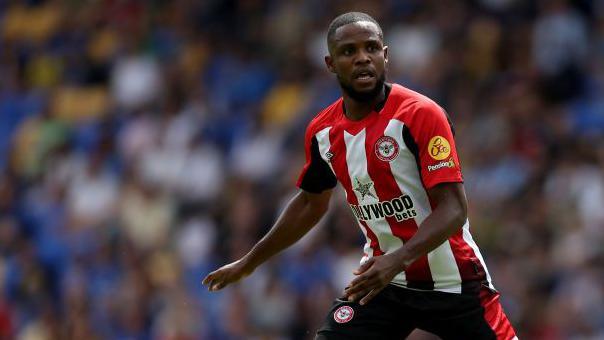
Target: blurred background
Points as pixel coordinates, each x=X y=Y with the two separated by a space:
x=145 y=143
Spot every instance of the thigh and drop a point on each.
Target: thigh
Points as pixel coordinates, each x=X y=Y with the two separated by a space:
x=379 y=319
x=470 y=317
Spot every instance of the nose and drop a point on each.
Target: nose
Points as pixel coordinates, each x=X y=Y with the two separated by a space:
x=362 y=57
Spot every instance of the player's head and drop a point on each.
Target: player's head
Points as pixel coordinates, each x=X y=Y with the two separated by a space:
x=357 y=55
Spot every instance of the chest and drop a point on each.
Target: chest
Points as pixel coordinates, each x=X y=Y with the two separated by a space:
x=376 y=146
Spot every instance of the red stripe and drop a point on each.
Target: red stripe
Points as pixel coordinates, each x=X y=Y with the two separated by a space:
x=340 y=167
x=470 y=267
x=386 y=188
x=494 y=315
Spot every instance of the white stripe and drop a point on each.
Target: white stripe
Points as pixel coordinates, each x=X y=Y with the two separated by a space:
x=324 y=145
x=470 y=241
x=441 y=260
x=356 y=159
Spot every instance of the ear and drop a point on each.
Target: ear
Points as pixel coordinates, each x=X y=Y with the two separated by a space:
x=386 y=54
x=329 y=64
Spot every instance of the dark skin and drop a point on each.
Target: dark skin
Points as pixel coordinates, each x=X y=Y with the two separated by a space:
x=298 y=217
x=357 y=46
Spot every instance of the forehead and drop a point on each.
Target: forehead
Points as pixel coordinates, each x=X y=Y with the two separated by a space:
x=356 y=32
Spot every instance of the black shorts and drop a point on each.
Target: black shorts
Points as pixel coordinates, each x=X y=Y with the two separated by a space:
x=395 y=312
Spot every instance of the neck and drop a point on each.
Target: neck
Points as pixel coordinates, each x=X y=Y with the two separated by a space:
x=357 y=110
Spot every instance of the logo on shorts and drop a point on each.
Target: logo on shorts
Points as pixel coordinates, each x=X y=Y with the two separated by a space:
x=386 y=148
x=343 y=314
x=439 y=148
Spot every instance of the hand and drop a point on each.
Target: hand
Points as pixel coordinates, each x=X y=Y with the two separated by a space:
x=372 y=277
x=225 y=275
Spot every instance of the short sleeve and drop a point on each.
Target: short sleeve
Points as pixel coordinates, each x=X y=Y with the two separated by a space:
x=436 y=150
x=316 y=176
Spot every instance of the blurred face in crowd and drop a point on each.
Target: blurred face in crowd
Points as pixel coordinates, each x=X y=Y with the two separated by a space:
x=358 y=57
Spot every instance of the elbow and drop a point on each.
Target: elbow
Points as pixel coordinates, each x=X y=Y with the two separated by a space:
x=460 y=218
x=459 y=215
x=455 y=212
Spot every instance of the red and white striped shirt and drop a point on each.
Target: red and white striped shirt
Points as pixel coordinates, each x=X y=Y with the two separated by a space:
x=386 y=162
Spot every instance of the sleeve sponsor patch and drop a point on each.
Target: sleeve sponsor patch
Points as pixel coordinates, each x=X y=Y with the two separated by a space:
x=450 y=163
x=439 y=148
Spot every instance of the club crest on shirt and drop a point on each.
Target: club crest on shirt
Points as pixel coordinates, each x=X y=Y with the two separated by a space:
x=386 y=148
x=439 y=148
x=343 y=314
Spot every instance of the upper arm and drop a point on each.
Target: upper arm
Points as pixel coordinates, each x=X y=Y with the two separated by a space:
x=318 y=202
x=450 y=196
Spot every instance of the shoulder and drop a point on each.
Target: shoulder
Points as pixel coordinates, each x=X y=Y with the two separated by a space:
x=414 y=105
x=414 y=101
x=325 y=117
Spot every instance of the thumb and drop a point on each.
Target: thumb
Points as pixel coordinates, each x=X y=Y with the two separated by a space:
x=363 y=268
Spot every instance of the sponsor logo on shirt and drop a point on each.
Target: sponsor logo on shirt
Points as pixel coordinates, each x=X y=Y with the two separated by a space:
x=343 y=314
x=450 y=163
x=400 y=207
x=439 y=148
x=386 y=148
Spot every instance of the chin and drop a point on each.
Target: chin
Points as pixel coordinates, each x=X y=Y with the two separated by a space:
x=366 y=94
x=368 y=90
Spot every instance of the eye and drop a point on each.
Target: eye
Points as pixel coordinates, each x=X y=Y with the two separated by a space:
x=373 y=48
x=348 y=51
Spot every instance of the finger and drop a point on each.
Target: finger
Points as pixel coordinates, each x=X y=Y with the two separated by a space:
x=368 y=275
x=353 y=291
x=360 y=294
x=208 y=279
x=216 y=286
x=356 y=285
x=364 y=267
x=370 y=296
x=361 y=287
x=212 y=276
x=361 y=278
x=210 y=284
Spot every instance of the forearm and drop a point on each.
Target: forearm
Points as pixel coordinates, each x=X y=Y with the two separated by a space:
x=299 y=216
x=434 y=230
x=446 y=219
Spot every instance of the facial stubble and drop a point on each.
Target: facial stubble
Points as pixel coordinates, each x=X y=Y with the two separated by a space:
x=363 y=96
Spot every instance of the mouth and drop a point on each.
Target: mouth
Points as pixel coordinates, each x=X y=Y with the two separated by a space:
x=363 y=75
x=364 y=79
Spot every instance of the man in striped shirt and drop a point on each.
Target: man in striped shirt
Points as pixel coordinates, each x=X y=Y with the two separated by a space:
x=393 y=151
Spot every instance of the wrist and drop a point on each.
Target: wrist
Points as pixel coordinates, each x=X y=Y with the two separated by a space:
x=402 y=259
x=247 y=265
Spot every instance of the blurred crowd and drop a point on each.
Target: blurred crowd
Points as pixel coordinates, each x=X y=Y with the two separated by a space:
x=145 y=143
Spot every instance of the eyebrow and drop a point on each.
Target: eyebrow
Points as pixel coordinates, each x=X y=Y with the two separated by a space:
x=344 y=43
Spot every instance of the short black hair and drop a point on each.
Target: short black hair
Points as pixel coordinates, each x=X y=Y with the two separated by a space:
x=349 y=18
